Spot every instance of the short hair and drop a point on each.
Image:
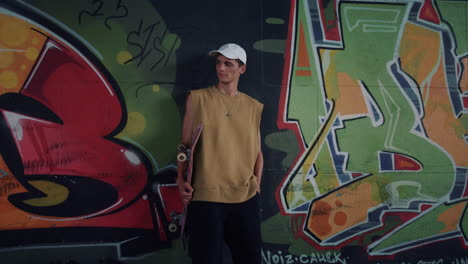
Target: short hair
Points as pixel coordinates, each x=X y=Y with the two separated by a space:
x=240 y=62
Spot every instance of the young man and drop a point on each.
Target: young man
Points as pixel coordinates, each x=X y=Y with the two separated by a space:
x=223 y=196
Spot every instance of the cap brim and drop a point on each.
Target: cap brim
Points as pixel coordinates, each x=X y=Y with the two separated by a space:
x=231 y=57
x=213 y=53
x=216 y=52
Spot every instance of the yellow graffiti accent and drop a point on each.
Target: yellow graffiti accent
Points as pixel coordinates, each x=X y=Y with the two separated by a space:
x=319 y=140
x=123 y=56
x=32 y=53
x=8 y=80
x=13 y=32
x=6 y=58
x=56 y=194
x=156 y=88
x=301 y=178
x=20 y=47
x=136 y=124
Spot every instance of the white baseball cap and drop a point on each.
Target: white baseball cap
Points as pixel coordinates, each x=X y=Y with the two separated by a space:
x=231 y=51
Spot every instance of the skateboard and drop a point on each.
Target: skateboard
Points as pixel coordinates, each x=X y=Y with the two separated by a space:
x=186 y=154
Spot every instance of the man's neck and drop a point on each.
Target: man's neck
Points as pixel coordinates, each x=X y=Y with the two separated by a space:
x=228 y=88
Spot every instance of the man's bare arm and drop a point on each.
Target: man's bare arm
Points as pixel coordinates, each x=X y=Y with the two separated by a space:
x=185 y=189
x=258 y=169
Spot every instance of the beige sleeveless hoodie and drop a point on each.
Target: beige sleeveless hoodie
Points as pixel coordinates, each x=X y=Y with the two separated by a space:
x=228 y=146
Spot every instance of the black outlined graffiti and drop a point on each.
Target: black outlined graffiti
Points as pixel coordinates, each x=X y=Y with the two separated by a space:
x=117 y=11
x=150 y=40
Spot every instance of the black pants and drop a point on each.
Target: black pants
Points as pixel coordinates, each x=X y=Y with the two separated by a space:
x=209 y=224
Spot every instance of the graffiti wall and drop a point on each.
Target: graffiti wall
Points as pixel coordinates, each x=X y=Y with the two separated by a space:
x=364 y=130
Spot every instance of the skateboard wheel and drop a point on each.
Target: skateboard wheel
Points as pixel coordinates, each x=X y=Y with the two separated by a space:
x=181 y=147
x=173 y=227
x=181 y=157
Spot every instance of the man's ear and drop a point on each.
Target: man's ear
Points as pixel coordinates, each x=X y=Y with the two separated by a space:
x=243 y=68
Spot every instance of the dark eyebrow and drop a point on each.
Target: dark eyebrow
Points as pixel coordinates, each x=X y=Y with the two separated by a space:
x=224 y=62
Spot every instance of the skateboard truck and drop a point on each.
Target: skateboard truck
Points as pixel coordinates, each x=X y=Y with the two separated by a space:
x=184 y=153
x=181 y=147
x=174 y=225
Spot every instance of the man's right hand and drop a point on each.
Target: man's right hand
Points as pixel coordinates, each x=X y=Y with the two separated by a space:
x=185 y=191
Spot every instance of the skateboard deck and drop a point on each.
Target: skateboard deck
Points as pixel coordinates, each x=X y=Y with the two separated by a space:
x=186 y=155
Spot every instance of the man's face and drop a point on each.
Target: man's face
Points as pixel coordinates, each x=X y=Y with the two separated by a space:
x=228 y=70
